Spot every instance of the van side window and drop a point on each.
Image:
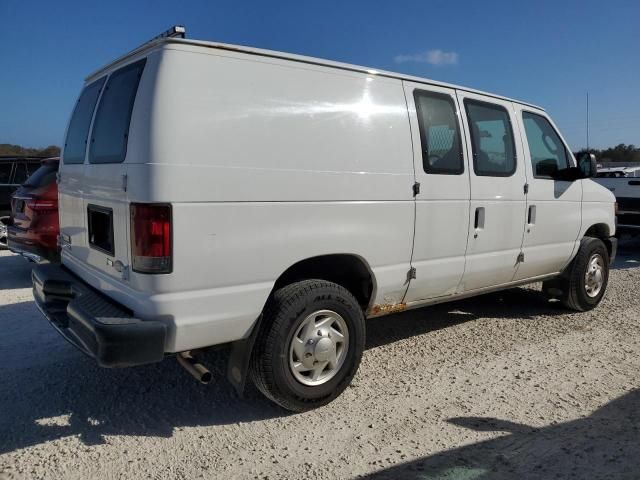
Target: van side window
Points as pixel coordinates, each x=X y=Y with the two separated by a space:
x=439 y=133
x=76 y=141
x=547 y=151
x=111 y=127
x=494 y=153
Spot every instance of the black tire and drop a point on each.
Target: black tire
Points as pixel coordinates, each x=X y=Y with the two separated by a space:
x=570 y=288
x=283 y=314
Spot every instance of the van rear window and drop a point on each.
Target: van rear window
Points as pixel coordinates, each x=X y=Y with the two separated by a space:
x=111 y=126
x=75 y=144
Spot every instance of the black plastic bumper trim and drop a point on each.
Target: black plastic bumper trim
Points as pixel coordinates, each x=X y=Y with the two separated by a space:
x=93 y=323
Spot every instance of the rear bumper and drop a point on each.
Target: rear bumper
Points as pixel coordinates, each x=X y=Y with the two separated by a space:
x=93 y=323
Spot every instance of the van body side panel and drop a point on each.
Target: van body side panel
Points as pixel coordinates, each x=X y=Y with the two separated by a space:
x=248 y=245
x=265 y=163
x=597 y=207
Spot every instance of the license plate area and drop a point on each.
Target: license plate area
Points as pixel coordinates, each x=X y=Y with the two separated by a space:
x=100 y=222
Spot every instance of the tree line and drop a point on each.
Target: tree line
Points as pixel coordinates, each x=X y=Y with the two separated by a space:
x=619 y=153
x=19 y=151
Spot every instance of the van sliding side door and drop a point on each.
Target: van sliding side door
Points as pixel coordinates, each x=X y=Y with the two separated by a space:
x=442 y=200
x=497 y=179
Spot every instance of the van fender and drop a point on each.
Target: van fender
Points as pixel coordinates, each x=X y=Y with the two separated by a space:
x=239 y=358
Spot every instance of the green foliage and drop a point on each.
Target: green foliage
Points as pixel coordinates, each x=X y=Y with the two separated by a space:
x=17 y=150
x=619 y=153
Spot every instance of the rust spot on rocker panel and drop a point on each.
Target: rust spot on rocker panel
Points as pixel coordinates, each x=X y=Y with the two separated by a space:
x=386 y=308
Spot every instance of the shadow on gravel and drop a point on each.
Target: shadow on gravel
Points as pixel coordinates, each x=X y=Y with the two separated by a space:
x=66 y=394
x=15 y=271
x=51 y=391
x=603 y=445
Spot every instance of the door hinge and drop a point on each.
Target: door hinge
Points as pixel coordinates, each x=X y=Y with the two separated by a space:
x=124 y=182
x=411 y=274
x=526 y=188
x=520 y=257
x=416 y=189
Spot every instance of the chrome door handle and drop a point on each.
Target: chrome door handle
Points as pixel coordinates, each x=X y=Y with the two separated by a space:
x=531 y=215
x=479 y=221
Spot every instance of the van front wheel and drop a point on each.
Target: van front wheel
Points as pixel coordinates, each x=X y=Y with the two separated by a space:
x=309 y=346
x=584 y=282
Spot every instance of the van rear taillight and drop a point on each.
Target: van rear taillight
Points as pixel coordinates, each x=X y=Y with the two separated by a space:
x=151 y=238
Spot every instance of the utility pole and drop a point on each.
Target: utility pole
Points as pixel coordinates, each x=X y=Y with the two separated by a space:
x=587 y=121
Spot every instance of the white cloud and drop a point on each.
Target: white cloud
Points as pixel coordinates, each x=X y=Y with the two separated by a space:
x=434 y=57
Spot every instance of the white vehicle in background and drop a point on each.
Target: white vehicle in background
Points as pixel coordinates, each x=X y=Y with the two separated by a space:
x=218 y=194
x=624 y=183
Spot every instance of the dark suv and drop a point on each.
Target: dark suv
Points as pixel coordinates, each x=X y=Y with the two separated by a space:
x=14 y=171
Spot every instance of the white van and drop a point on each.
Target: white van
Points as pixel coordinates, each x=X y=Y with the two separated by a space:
x=216 y=194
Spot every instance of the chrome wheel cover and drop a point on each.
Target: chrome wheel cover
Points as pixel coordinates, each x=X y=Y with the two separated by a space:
x=318 y=348
x=594 y=276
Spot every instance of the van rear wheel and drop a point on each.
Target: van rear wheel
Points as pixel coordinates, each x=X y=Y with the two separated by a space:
x=309 y=345
x=583 y=284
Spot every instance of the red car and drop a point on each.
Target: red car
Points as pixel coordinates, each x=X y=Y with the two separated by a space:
x=34 y=226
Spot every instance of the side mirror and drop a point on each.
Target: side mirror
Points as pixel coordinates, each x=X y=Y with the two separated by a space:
x=587 y=164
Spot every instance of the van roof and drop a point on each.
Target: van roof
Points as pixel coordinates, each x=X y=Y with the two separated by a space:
x=296 y=58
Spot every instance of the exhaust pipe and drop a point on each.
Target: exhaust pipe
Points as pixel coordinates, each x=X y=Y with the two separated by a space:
x=195 y=368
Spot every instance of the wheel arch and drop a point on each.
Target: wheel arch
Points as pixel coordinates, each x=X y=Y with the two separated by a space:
x=602 y=232
x=349 y=270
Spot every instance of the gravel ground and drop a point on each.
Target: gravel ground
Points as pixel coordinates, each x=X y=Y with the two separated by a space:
x=500 y=386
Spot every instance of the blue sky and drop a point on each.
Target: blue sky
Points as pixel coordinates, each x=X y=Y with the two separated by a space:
x=546 y=52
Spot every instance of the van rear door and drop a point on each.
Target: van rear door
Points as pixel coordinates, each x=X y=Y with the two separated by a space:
x=73 y=238
x=106 y=204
